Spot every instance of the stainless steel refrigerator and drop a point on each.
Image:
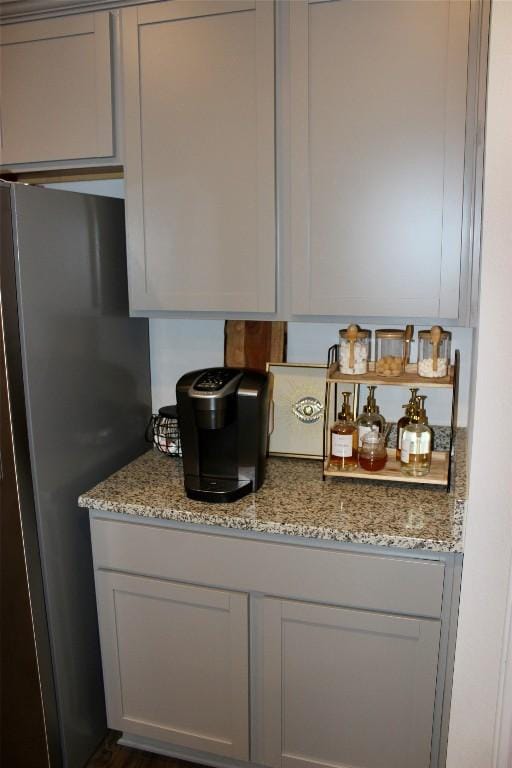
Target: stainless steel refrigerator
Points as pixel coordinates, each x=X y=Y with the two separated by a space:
x=75 y=402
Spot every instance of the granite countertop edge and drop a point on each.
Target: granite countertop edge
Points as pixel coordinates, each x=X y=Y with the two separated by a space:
x=455 y=544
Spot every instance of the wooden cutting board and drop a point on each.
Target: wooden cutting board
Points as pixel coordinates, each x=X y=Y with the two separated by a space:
x=254 y=343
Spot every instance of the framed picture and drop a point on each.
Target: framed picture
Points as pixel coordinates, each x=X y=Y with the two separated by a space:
x=297 y=414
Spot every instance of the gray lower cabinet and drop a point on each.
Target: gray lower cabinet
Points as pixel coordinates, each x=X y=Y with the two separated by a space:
x=346 y=688
x=175 y=662
x=228 y=647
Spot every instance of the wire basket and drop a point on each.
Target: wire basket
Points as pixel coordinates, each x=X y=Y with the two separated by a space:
x=163 y=431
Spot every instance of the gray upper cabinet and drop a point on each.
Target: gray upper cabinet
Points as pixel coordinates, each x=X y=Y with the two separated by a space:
x=378 y=112
x=199 y=155
x=346 y=688
x=56 y=98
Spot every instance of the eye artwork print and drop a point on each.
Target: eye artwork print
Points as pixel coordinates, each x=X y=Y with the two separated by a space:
x=308 y=410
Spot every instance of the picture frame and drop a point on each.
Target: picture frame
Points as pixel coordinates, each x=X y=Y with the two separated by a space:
x=297 y=409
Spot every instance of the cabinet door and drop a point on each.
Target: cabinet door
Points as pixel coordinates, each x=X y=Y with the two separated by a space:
x=346 y=688
x=378 y=106
x=175 y=661
x=199 y=147
x=56 y=101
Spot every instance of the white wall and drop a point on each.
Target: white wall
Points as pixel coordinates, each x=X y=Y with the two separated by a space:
x=481 y=719
x=181 y=345
x=178 y=346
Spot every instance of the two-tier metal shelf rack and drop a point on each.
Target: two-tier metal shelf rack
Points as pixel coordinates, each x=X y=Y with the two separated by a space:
x=441 y=468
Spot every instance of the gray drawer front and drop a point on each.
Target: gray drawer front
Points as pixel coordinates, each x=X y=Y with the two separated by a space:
x=373 y=582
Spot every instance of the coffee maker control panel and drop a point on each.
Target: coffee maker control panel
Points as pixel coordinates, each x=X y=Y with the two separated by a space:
x=215 y=379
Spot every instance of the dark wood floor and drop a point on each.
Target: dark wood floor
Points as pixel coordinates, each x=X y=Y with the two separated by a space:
x=112 y=755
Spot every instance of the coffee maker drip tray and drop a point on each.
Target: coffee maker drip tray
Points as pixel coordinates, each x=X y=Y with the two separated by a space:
x=216 y=489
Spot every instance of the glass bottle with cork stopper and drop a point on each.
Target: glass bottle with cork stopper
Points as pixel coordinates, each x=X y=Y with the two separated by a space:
x=344 y=441
x=434 y=353
x=416 y=453
x=410 y=407
x=392 y=350
x=369 y=417
x=389 y=352
x=354 y=350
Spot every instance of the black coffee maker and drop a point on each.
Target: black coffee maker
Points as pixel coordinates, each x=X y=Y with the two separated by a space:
x=223 y=420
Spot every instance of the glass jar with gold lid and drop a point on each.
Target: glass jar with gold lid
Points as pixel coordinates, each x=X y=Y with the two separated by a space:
x=354 y=350
x=390 y=351
x=434 y=349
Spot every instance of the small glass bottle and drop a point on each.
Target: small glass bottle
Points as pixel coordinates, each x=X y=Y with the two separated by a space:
x=410 y=407
x=369 y=417
x=372 y=453
x=416 y=454
x=344 y=439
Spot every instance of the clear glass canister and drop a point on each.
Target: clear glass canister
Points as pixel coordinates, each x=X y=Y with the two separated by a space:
x=434 y=349
x=354 y=350
x=389 y=352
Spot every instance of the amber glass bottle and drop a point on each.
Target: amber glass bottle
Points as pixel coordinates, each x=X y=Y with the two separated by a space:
x=344 y=440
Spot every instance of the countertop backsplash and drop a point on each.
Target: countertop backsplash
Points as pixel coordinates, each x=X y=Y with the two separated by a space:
x=178 y=346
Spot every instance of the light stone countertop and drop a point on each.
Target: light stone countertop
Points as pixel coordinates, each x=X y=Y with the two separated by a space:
x=295 y=501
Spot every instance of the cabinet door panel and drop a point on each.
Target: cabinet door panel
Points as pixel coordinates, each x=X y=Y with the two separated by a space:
x=346 y=688
x=175 y=662
x=56 y=89
x=378 y=95
x=199 y=121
